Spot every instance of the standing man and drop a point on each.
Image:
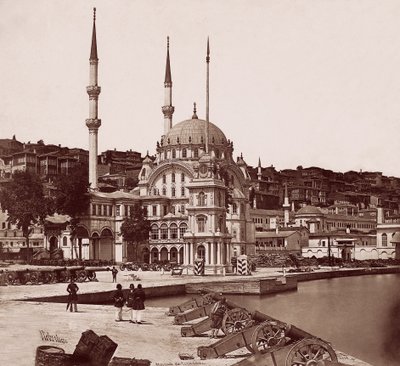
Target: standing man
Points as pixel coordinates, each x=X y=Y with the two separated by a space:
x=217 y=315
x=139 y=298
x=119 y=300
x=114 y=272
x=130 y=299
x=73 y=296
x=234 y=264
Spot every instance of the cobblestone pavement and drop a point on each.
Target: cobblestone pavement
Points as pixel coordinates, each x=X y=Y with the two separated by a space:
x=23 y=324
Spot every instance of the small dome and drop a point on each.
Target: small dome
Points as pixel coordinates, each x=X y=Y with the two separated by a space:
x=396 y=238
x=309 y=210
x=193 y=131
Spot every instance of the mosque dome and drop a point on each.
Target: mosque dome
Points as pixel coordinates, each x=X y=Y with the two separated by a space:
x=193 y=131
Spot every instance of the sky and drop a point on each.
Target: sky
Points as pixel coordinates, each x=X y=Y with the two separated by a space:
x=294 y=82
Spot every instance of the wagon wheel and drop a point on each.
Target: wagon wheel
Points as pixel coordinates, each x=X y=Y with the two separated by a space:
x=47 y=277
x=11 y=278
x=310 y=352
x=235 y=320
x=207 y=299
x=34 y=278
x=81 y=276
x=91 y=275
x=23 y=278
x=267 y=335
x=122 y=267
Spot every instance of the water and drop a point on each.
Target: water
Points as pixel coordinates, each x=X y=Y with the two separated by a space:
x=358 y=315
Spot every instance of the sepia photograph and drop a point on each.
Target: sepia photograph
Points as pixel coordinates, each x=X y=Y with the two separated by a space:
x=200 y=183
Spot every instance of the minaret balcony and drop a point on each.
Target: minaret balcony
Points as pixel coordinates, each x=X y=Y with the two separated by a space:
x=93 y=123
x=168 y=111
x=93 y=90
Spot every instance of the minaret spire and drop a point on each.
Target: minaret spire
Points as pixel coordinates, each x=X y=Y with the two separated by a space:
x=167 y=109
x=168 y=79
x=286 y=207
x=93 y=50
x=208 y=93
x=259 y=172
x=93 y=122
x=194 y=111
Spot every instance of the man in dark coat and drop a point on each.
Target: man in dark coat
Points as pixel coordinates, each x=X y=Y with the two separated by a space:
x=130 y=298
x=114 y=272
x=217 y=315
x=119 y=301
x=139 y=298
x=72 y=290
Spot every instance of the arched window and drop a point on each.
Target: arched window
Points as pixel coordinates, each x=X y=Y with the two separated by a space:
x=164 y=231
x=165 y=154
x=155 y=191
x=201 y=252
x=201 y=224
x=201 y=139
x=182 y=177
x=164 y=191
x=173 y=154
x=173 y=231
x=201 y=199
x=143 y=173
x=177 y=140
x=184 y=153
x=384 y=240
x=65 y=241
x=173 y=177
x=164 y=178
x=154 y=232
x=217 y=153
x=182 y=209
x=221 y=224
x=183 y=191
x=196 y=152
x=182 y=229
x=234 y=208
x=173 y=191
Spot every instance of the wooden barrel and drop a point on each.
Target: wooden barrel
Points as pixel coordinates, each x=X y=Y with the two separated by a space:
x=52 y=356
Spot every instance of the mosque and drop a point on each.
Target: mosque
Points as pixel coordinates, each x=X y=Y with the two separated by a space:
x=195 y=195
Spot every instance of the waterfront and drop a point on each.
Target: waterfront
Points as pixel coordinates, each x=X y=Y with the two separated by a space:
x=353 y=313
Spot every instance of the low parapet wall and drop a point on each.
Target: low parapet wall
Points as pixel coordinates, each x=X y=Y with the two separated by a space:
x=334 y=273
x=248 y=286
x=105 y=297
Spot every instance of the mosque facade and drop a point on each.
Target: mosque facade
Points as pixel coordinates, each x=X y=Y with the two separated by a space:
x=194 y=194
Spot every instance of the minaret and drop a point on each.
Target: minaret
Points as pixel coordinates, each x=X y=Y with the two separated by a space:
x=259 y=173
x=168 y=109
x=286 y=207
x=93 y=122
x=207 y=93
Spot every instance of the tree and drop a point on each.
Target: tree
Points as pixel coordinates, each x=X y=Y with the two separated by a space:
x=24 y=200
x=71 y=197
x=135 y=228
